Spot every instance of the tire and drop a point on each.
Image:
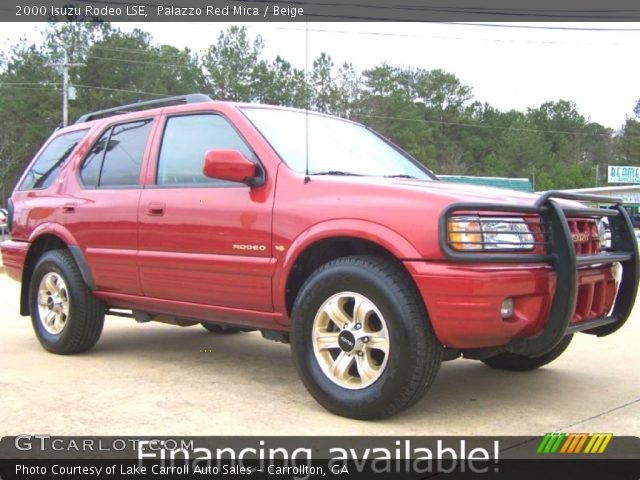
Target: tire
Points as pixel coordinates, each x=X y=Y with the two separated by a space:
x=377 y=378
x=522 y=363
x=220 y=329
x=72 y=319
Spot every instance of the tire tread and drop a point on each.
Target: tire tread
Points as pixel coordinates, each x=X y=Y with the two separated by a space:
x=86 y=333
x=428 y=352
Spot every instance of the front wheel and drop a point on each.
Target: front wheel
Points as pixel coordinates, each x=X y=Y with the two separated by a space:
x=361 y=340
x=65 y=316
x=522 y=363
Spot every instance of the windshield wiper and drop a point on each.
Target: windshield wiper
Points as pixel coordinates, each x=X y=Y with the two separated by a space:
x=400 y=175
x=337 y=172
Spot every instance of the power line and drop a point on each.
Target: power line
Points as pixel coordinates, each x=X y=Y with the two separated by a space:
x=537 y=27
x=44 y=84
x=20 y=87
x=141 y=62
x=49 y=85
x=383 y=117
x=436 y=37
x=121 y=90
x=153 y=50
x=472 y=125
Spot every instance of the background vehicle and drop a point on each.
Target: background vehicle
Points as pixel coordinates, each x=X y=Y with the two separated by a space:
x=3 y=222
x=316 y=231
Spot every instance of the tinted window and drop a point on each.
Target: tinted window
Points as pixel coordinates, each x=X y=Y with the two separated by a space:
x=185 y=141
x=90 y=171
x=115 y=159
x=124 y=152
x=50 y=162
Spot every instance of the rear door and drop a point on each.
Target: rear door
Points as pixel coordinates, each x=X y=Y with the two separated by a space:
x=102 y=211
x=203 y=240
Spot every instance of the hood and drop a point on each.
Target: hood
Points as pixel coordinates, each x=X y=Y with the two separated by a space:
x=462 y=192
x=473 y=193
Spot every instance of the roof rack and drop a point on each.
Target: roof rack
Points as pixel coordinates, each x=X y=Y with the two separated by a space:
x=132 y=107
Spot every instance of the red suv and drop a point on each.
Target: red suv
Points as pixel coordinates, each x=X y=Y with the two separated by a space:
x=316 y=231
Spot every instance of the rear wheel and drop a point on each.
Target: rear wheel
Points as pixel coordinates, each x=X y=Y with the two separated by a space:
x=65 y=316
x=361 y=340
x=522 y=363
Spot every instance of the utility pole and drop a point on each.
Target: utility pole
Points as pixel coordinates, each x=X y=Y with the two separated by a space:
x=65 y=85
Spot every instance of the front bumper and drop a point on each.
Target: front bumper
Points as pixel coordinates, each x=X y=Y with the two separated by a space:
x=556 y=292
x=463 y=301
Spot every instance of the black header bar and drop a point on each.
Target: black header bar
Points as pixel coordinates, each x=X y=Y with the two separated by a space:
x=319 y=10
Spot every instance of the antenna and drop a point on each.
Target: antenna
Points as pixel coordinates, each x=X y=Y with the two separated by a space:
x=307 y=178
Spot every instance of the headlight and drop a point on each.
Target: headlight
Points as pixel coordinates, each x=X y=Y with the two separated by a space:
x=488 y=233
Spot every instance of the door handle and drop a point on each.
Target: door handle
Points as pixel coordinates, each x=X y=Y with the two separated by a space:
x=69 y=208
x=155 y=209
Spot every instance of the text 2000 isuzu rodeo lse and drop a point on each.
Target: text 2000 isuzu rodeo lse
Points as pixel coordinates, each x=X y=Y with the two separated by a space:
x=316 y=231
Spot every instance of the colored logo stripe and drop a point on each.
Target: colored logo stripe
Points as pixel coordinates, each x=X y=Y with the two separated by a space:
x=550 y=443
x=574 y=443
x=598 y=442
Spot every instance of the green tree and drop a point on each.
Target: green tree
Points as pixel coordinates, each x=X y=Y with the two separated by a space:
x=349 y=89
x=118 y=68
x=232 y=64
x=429 y=113
x=279 y=83
x=127 y=67
x=324 y=92
x=29 y=108
x=629 y=142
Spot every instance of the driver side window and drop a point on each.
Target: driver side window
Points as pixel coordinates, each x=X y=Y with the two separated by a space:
x=184 y=143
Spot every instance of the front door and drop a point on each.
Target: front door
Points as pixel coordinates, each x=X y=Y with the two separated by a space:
x=203 y=240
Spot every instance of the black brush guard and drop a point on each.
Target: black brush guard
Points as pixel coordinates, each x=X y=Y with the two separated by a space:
x=560 y=253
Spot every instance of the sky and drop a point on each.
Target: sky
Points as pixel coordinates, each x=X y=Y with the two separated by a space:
x=510 y=66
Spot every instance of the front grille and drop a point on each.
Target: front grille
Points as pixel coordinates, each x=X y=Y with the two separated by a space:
x=585 y=235
x=595 y=299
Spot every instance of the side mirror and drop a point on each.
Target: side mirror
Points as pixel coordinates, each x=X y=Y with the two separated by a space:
x=229 y=165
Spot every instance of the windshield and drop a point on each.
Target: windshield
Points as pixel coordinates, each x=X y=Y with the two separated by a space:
x=335 y=147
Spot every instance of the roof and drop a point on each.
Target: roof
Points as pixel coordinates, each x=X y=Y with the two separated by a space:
x=520 y=184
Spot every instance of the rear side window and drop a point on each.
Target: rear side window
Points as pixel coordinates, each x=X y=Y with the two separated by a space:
x=46 y=168
x=185 y=141
x=116 y=158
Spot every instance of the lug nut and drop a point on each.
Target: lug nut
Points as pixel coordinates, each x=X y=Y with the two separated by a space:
x=365 y=339
x=358 y=326
x=360 y=354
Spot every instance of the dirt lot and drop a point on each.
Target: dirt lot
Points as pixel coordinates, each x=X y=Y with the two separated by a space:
x=156 y=379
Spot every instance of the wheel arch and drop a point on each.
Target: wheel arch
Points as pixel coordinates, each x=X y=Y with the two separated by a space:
x=42 y=241
x=328 y=241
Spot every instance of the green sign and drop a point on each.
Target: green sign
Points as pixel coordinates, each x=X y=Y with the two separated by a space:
x=620 y=174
